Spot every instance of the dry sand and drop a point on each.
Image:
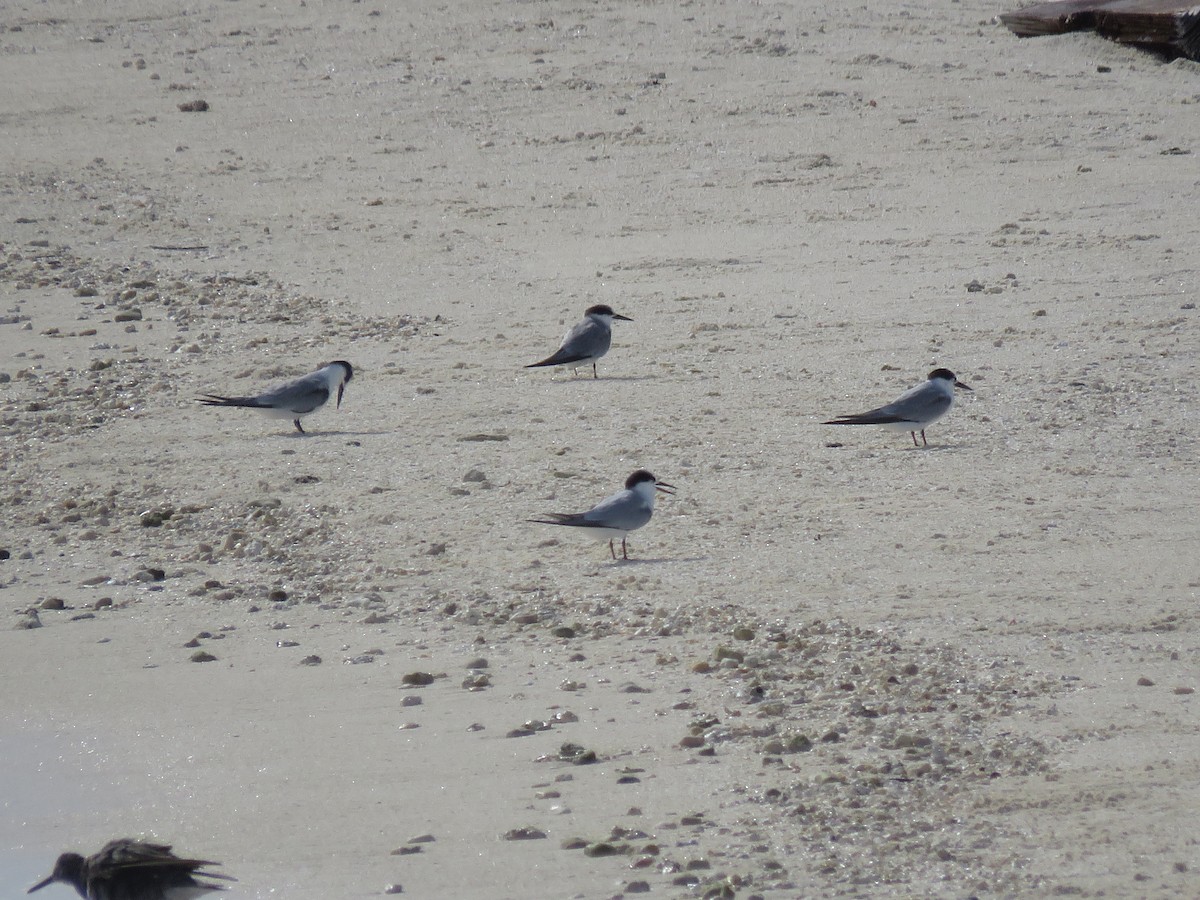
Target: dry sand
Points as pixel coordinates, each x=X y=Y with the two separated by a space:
x=838 y=664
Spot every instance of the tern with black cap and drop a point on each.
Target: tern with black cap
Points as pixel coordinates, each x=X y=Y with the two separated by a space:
x=586 y=342
x=616 y=516
x=297 y=398
x=914 y=410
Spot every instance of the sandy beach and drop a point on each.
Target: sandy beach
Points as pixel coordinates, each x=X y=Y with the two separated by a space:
x=345 y=664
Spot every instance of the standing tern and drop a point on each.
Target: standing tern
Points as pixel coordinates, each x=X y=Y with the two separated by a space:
x=614 y=517
x=586 y=342
x=126 y=869
x=915 y=409
x=296 y=398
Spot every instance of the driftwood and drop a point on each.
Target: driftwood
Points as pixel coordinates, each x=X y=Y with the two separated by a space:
x=1166 y=26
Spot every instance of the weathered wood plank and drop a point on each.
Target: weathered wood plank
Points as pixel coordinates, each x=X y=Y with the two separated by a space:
x=1166 y=25
x=1054 y=18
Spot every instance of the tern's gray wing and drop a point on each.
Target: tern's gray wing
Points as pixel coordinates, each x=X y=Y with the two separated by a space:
x=588 y=339
x=624 y=511
x=300 y=396
x=918 y=404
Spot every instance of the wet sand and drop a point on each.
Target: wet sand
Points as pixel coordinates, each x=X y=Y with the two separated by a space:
x=835 y=665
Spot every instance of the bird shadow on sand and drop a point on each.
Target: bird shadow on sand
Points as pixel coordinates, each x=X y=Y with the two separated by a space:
x=620 y=378
x=296 y=435
x=931 y=448
x=653 y=560
x=937 y=448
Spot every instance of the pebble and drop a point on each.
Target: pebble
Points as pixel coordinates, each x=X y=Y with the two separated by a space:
x=312 y=660
x=153 y=518
x=476 y=682
x=478 y=663
x=419 y=679
x=604 y=848
x=201 y=656
x=527 y=833
x=576 y=755
x=411 y=700
x=53 y=603
x=394 y=889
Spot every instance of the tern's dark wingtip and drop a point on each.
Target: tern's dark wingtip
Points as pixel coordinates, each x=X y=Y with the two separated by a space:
x=556 y=360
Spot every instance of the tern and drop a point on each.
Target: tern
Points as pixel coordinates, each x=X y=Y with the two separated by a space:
x=586 y=342
x=915 y=409
x=126 y=869
x=296 y=398
x=614 y=517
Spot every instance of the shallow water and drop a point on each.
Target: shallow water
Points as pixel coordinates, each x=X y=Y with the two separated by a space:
x=31 y=790
x=51 y=789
